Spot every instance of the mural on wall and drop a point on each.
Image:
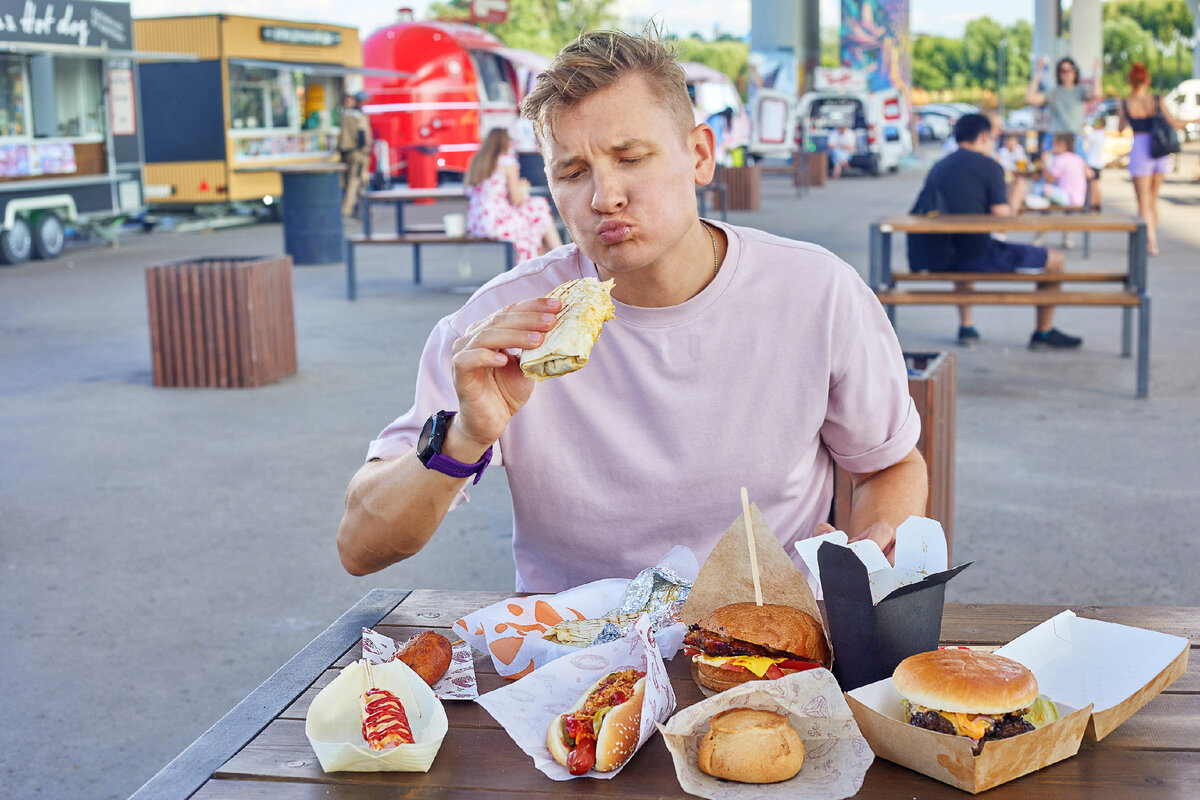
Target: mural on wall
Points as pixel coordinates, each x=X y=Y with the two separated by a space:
x=875 y=40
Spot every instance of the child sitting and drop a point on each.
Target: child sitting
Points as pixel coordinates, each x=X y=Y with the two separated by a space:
x=1097 y=138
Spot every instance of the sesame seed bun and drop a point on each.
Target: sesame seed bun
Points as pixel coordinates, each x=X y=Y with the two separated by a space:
x=965 y=682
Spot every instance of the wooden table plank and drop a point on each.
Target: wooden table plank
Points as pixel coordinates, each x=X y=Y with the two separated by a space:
x=986 y=223
x=488 y=759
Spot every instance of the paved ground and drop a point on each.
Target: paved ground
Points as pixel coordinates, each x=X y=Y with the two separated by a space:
x=163 y=551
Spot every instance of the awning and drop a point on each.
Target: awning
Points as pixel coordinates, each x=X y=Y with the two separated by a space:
x=92 y=52
x=320 y=69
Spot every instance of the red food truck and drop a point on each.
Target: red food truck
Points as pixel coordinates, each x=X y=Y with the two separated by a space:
x=460 y=84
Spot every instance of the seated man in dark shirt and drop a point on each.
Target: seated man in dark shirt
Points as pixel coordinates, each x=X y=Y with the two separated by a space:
x=970 y=181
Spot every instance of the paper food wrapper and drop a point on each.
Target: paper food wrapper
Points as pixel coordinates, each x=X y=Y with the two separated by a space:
x=879 y=614
x=1116 y=668
x=726 y=578
x=950 y=759
x=527 y=707
x=511 y=631
x=836 y=753
x=457 y=684
x=334 y=723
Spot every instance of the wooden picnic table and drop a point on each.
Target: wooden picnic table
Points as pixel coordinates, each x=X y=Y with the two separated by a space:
x=259 y=749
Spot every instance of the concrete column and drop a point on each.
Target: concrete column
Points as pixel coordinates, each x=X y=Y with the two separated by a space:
x=1047 y=32
x=1087 y=36
x=1194 y=5
x=788 y=30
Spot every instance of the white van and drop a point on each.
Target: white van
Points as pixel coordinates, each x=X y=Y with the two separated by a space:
x=880 y=120
x=1184 y=103
x=764 y=128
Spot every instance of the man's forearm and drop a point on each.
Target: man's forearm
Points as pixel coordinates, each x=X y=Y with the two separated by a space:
x=890 y=495
x=392 y=510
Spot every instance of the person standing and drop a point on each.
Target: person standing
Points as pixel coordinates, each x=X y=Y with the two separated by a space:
x=1147 y=172
x=1066 y=100
x=1095 y=145
x=354 y=147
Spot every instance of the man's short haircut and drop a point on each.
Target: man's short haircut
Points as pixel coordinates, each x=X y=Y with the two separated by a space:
x=970 y=126
x=601 y=59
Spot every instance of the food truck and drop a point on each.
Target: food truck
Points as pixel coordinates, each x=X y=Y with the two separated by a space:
x=70 y=127
x=261 y=93
x=461 y=83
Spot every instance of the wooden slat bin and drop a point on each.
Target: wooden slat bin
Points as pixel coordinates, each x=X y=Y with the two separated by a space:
x=743 y=186
x=222 y=322
x=933 y=384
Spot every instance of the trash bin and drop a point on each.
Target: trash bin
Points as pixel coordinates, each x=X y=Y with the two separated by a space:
x=933 y=384
x=421 y=166
x=312 y=213
x=222 y=322
x=742 y=187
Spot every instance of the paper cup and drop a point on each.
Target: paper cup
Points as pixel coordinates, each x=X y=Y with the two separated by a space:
x=334 y=724
x=456 y=224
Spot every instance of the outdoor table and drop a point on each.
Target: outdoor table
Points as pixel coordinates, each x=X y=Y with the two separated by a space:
x=259 y=748
x=400 y=196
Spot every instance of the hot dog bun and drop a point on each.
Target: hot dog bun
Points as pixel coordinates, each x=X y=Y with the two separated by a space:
x=619 y=732
x=428 y=654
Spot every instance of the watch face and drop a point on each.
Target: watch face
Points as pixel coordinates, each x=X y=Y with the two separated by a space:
x=424 y=451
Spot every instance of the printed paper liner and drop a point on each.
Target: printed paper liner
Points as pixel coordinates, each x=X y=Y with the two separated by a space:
x=526 y=708
x=836 y=753
x=334 y=724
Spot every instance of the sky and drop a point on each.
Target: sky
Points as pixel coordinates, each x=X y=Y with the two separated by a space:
x=943 y=17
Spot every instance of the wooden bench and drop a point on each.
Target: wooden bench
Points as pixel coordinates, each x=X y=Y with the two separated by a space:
x=416 y=240
x=1129 y=293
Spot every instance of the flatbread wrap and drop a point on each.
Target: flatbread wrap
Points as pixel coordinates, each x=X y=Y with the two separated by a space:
x=587 y=305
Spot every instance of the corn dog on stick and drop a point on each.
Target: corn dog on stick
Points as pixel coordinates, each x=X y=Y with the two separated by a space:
x=384 y=723
x=587 y=304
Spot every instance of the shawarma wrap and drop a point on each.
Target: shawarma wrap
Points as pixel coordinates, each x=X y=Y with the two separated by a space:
x=586 y=305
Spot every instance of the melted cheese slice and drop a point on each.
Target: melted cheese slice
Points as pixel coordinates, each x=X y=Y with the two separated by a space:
x=974 y=726
x=756 y=664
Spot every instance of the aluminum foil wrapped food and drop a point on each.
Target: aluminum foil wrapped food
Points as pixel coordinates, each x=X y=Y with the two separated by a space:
x=586 y=306
x=657 y=591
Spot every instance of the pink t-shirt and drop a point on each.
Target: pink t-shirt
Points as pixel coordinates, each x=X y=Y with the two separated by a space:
x=783 y=361
x=1069 y=171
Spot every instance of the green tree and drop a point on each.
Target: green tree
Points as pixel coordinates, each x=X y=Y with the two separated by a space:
x=729 y=57
x=543 y=26
x=936 y=61
x=981 y=51
x=1125 y=41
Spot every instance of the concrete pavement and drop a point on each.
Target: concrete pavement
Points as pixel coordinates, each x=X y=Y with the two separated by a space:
x=164 y=550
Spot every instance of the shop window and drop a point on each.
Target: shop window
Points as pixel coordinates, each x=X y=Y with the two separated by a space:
x=78 y=97
x=493 y=76
x=263 y=99
x=12 y=97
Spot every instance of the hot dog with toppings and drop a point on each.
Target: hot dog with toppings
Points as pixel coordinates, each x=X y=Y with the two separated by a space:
x=601 y=730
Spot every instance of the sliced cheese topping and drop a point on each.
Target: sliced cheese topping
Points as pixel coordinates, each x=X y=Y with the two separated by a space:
x=974 y=726
x=756 y=664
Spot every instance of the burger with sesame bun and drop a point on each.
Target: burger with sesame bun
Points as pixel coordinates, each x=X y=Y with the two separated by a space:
x=979 y=695
x=743 y=642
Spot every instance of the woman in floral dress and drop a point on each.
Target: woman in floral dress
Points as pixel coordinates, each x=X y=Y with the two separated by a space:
x=499 y=203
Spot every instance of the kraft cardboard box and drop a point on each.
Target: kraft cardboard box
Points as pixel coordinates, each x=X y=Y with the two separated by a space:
x=1097 y=673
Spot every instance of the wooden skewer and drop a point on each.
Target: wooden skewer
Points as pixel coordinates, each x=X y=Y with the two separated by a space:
x=753 y=550
x=367 y=668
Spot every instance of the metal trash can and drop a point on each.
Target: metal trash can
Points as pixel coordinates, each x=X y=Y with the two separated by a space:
x=312 y=213
x=933 y=384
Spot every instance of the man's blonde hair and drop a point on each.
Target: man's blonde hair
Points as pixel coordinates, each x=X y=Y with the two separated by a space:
x=600 y=59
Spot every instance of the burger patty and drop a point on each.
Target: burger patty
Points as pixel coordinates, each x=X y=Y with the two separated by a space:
x=1004 y=727
x=714 y=644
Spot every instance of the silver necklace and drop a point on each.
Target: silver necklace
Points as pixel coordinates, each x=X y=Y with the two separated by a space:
x=716 y=258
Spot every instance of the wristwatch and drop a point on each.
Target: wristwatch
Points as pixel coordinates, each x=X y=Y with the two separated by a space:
x=429 y=450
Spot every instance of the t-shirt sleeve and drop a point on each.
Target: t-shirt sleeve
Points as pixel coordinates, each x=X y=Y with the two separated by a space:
x=870 y=421
x=997 y=192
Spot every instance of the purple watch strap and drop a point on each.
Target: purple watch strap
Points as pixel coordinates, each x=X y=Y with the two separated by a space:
x=455 y=468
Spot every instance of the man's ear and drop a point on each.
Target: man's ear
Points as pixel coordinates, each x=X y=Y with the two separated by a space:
x=702 y=147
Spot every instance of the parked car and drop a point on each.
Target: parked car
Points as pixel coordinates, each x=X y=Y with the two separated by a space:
x=764 y=127
x=934 y=125
x=1184 y=103
x=1025 y=118
x=879 y=119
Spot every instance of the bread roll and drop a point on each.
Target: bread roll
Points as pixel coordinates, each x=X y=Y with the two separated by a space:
x=751 y=746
